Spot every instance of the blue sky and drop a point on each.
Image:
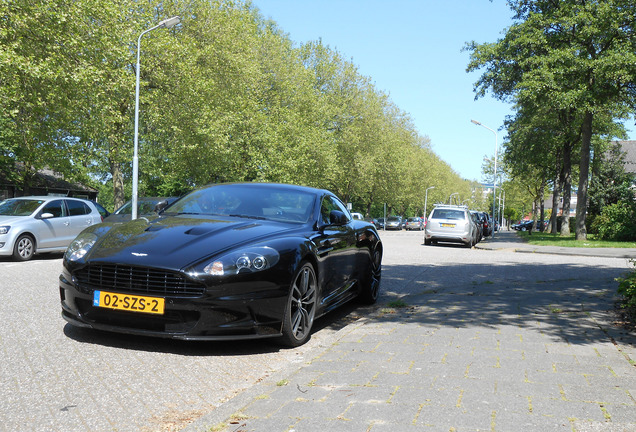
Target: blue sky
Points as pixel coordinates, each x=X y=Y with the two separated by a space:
x=412 y=50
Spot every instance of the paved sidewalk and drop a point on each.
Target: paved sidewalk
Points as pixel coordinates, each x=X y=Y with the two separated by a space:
x=509 y=240
x=496 y=356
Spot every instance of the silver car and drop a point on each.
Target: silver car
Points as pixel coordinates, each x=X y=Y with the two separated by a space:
x=35 y=224
x=393 y=223
x=452 y=224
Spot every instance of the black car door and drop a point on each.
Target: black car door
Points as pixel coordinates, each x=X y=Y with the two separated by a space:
x=336 y=244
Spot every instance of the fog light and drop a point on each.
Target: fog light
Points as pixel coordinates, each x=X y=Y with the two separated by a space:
x=1 y=244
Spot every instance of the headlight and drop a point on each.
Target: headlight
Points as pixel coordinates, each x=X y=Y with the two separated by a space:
x=249 y=260
x=80 y=246
x=4 y=229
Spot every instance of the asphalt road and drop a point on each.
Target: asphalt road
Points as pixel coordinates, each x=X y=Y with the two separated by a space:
x=54 y=377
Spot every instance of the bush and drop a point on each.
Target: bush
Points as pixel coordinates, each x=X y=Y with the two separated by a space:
x=627 y=288
x=617 y=222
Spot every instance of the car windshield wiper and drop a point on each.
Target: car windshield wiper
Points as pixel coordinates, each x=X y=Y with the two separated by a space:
x=164 y=213
x=247 y=216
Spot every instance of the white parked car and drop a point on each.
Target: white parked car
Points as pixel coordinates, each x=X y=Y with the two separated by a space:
x=36 y=224
x=453 y=224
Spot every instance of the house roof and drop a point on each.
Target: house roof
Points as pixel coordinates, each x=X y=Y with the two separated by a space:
x=50 y=179
x=629 y=149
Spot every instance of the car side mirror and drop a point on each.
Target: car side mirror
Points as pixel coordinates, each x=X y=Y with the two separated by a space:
x=337 y=217
x=161 y=205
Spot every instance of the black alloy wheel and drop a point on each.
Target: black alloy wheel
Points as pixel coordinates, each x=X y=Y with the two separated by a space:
x=301 y=307
x=371 y=288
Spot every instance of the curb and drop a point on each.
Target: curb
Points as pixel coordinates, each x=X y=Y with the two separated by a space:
x=592 y=252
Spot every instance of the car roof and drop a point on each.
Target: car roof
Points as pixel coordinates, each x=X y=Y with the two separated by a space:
x=451 y=206
x=46 y=197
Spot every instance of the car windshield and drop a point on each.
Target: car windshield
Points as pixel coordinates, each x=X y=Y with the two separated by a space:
x=447 y=214
x=19 y=207
x=248 y=201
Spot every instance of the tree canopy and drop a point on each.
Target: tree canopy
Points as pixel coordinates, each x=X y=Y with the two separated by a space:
x=225 y=96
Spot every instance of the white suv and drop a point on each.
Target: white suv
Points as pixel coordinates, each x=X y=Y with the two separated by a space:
x=450 y=223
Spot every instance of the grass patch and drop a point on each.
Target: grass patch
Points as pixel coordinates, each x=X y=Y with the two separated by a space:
x=546 y=239
x=397 y=304
x=393 y=306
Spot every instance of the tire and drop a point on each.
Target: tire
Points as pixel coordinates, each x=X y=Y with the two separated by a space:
x=371 y=288
x=301 y=307
x=427 y=242
x=24 y=248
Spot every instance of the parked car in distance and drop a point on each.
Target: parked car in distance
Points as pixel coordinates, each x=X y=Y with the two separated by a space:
x=357 y=216
x=145 y=207
x=450 y=223
x=487 y=224
x=523 y=225
x=414 y=223
x=393 y=223
x=479 y=233
x=380 y=223
x=226 y=261
x=37 y=224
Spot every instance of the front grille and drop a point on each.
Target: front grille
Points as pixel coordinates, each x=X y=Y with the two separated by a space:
x=138 y=280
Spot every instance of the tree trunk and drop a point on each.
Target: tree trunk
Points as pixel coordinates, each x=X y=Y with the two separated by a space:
x=584 y=169
x=119 y=198
x=542 y=206
x=556 y=193
x=567 y=189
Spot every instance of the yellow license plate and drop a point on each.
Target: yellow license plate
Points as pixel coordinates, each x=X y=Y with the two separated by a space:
x=127 y=302
x=447 y=225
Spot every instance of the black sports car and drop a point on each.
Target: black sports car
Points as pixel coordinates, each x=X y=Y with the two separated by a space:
x=228 y=261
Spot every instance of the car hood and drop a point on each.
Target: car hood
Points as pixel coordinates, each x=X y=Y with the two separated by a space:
x=13 y=220
x=177 y=242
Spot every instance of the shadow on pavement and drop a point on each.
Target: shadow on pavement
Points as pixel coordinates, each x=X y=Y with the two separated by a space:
x=568 y=303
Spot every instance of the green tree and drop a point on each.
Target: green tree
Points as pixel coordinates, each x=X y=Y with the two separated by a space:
x=610 y=184
x=571 y=54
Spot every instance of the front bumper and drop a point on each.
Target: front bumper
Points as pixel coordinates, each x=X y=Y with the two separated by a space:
x=245 y=309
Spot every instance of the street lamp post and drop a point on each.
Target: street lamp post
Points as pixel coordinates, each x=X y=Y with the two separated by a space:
x=503 y=207
x=426 y=202
x=167 y=23
x=494 y=184
x=450 y=198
